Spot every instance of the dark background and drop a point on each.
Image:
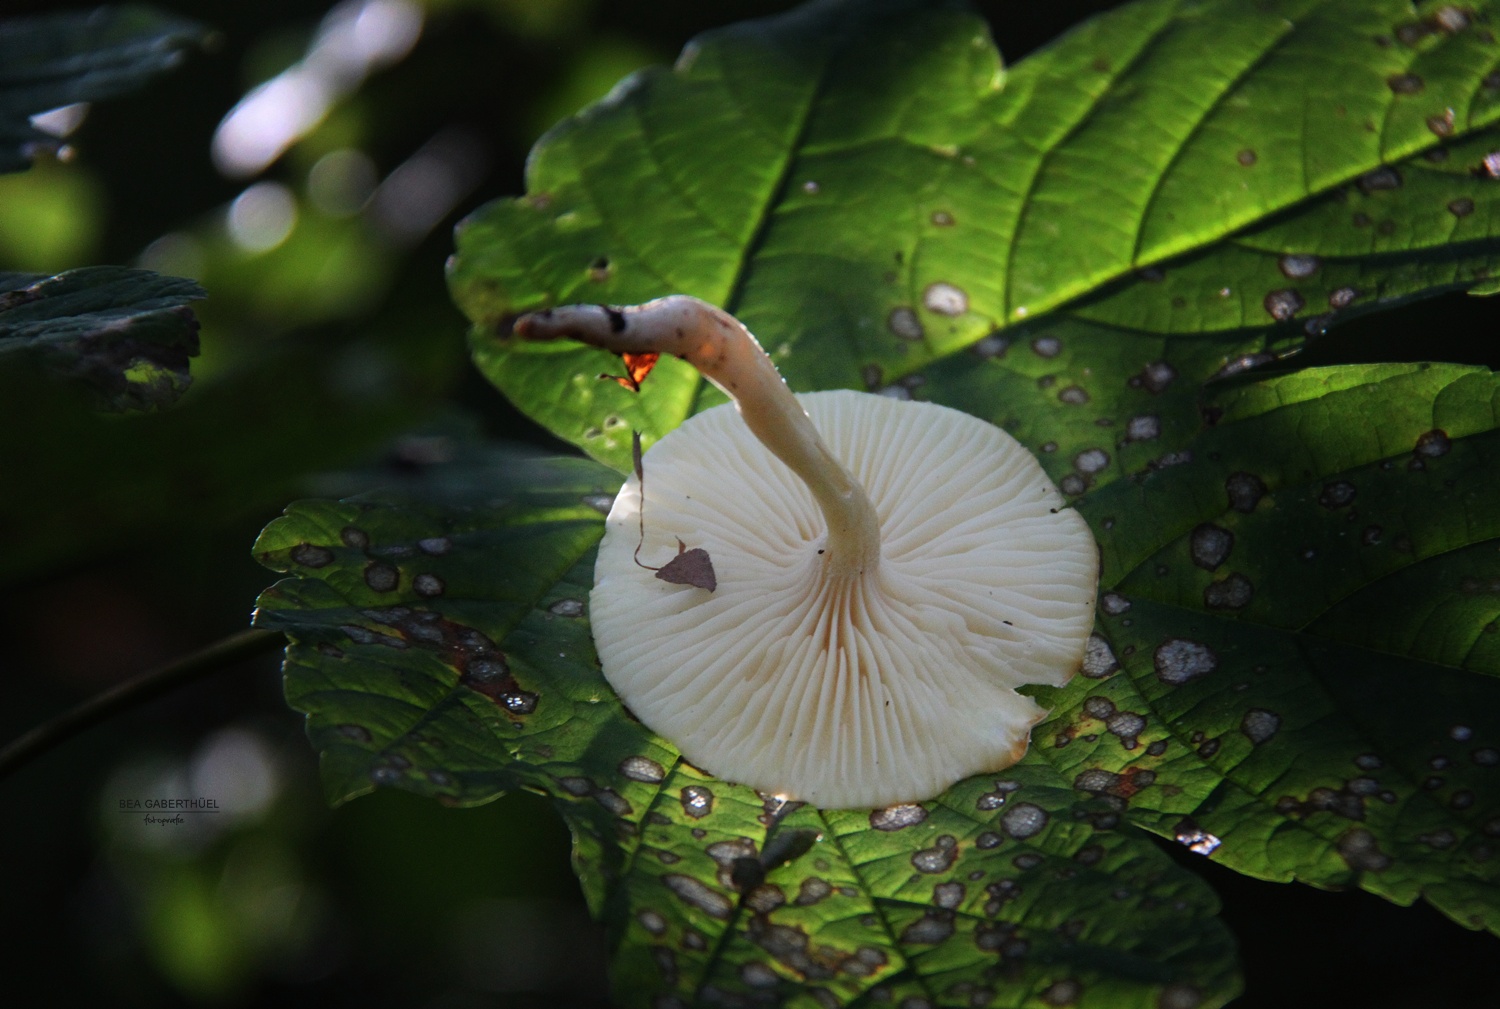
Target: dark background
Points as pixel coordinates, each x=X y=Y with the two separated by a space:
x=330 y=363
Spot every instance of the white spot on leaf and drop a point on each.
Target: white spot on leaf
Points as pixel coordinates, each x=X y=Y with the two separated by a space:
x=945 y=299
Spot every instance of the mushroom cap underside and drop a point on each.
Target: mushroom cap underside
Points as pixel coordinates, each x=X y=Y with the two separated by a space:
x=846 y=692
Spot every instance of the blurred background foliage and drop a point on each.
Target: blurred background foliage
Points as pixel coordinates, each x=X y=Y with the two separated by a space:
x=307 y=168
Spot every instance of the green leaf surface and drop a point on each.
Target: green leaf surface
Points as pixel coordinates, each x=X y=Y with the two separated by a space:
x=1428 y=224
x=444 y=680
x=444 y=648
x=864 y=187
x=1295 y=666
x=1280 y=726
x=437 y=648
x=126 y=335
x=79 y=56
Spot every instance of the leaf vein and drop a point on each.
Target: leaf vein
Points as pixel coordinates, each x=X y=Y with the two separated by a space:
x=1213 y=106
x=1132 y=61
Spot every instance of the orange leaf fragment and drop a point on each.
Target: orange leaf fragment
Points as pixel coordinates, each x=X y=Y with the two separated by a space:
x=637 y=367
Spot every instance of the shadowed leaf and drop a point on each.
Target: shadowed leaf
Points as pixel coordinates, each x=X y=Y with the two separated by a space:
x=124 y=334
x=442 y=647
x=1236 y=666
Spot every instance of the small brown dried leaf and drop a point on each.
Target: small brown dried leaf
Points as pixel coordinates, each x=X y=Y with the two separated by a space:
x=690 y=567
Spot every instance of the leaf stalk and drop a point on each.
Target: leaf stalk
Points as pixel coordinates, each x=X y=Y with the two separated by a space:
x=56 y=731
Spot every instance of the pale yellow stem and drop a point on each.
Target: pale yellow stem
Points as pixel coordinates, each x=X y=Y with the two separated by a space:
x=715 y=342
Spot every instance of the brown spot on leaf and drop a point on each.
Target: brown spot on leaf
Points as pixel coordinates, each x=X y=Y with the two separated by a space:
x=481 y=664
x=311 y=556
x=1404 y=84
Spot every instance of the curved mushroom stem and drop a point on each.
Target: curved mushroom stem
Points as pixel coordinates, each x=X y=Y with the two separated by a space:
x=715 y=342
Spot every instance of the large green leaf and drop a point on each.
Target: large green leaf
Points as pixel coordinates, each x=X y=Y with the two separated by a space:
x=1294 y=670
x=1424 y=225
x=1231 y=700
x=444 y=648
x=1299 y=612
x=79 y=56
x=124 y=334
x=864 y=187
x=1330 y=540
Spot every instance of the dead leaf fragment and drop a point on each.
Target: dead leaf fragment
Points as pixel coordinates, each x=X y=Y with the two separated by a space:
x=637 y=367
x=690 y=567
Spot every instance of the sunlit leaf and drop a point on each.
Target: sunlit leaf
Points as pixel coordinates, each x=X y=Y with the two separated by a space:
x=79 y=56
x=637 y=368
x=866 y=189
x=1418 y=227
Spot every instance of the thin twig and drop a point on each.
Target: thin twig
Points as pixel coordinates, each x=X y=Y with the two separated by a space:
x=224 y=652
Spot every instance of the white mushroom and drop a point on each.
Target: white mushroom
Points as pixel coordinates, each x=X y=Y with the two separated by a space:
x=888 y=573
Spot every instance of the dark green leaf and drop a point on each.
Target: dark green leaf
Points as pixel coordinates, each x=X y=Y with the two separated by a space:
x=1093 y=402
x=444 y=648
x=79 y=56
x=452 y=672
x=125 y=334
x=1270 y=711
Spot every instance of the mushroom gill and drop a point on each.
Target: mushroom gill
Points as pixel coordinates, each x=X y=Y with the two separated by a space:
x=888 y=574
